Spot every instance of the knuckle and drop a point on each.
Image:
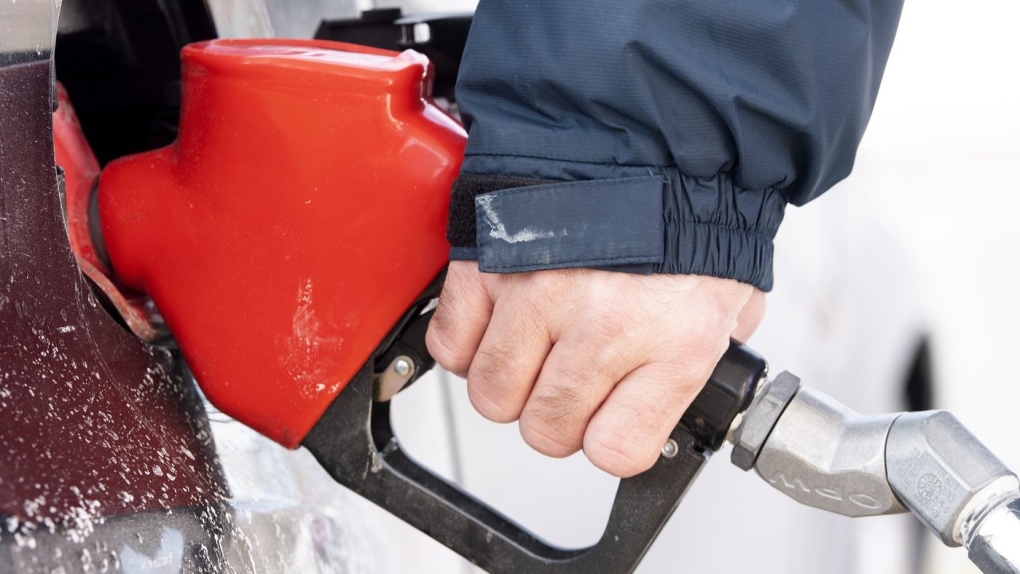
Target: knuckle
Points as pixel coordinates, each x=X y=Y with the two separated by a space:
x=491 y=362
x=604 y=361
x=490 y=386
x=601 y=332
x=554 y=418
x=604 y=323
x=570 y=374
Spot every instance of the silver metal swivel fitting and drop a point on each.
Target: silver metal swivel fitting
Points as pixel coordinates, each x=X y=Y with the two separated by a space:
x=820 y=453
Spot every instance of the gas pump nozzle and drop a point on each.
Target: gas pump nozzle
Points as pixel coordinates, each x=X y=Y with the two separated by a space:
x=294 y=245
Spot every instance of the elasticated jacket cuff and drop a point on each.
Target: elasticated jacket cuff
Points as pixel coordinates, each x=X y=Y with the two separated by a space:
x=642 y=220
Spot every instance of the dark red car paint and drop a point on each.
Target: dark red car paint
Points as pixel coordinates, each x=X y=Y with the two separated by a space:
x=95 y=422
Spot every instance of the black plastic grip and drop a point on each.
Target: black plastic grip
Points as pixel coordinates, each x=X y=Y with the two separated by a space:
x=728 y=393
x=354 y=442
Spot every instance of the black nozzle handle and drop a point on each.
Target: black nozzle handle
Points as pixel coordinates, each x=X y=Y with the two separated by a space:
x=354 y=442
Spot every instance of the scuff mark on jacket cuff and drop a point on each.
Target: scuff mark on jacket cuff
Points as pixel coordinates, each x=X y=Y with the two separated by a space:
x=577 y=224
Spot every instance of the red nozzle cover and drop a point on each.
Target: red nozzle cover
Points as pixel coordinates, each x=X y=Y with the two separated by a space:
x=297 y=216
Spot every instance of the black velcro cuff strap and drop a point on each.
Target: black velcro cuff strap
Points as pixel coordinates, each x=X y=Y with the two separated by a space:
x=596 y=223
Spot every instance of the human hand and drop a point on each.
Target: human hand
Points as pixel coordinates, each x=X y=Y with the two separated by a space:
x=583 y=358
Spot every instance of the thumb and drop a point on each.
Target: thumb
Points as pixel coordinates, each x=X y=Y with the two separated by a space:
x=750 y=316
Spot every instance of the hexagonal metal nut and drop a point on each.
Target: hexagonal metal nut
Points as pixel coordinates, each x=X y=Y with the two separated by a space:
x=761 y=417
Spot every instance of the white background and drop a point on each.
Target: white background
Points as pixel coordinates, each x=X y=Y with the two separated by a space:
x=940 y=163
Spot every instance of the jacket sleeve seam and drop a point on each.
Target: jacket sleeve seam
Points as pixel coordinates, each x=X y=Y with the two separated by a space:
x=728 y=173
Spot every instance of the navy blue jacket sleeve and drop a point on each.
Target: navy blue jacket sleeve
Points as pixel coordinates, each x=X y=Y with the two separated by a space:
x=657 y=135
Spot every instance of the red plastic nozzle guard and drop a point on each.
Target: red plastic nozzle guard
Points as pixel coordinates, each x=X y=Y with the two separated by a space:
x=296 y=218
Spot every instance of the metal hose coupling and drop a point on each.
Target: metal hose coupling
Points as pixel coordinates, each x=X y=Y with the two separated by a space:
x=818 y=452
x=957 y=488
